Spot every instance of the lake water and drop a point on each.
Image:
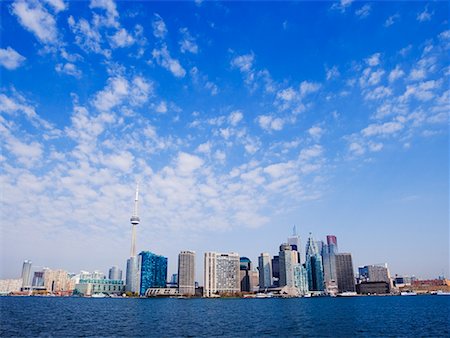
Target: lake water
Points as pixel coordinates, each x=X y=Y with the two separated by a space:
x=338 y=317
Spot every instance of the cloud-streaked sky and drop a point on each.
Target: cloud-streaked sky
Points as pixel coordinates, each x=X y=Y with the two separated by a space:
x=238 y=119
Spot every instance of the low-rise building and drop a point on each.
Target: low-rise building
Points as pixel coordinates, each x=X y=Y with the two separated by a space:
x=372 y=288
x=10 y=285
x=88 y=287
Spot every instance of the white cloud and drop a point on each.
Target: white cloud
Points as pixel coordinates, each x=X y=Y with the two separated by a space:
x=69 y=69
x=373 y=60
x=391 y=20
x=378 y=93
x=356 y=149
x=287 y=94
x=308 y=88
x=422 y=91
x=382 y=129
x=122 y=161
x=342 y=5
x=10 y=59
x=159 y=27
x=164 y=59
x=235 y=117
x=417 y=74
x=311 y=152
x=425 y=15
x=187 y=43
x=332 y=73
x=316 y=132
x=161 y=107
x=109 y=6
x=269 y=123
x=87 y=37
x=364 y=11
x=36 y=19
x=205 y=147
x=58 y=5
x=243 y=62
x=114 y=93
x=122 y=39
x=187 y=163
x=396 y=73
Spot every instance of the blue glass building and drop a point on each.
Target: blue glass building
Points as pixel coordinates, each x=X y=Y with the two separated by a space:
x=153 y=271
x=314 y=266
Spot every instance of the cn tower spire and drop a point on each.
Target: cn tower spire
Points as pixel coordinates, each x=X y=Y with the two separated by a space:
x=134 y=221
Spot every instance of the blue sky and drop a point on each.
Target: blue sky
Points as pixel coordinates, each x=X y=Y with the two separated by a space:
x=238 y=119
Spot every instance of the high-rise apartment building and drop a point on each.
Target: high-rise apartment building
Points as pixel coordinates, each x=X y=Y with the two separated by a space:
x=26 y=274
x=288 y=258
x=115 y=273
x=301 y=279
x=153 y=271
x=329 y=252
x=221 y=274
x=56 y=280
x=245 y=269
x=344 y=272
x=265 y=271
x=314 y=266
x=186 y=273
x=276 y=270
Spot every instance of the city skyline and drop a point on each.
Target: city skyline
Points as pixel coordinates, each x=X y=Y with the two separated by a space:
x=235 y=131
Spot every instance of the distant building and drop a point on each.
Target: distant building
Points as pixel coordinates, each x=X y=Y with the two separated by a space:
x=254 y=280
x=133 y=274
x=186 y=273
x=295 y=243
x=374 y=273
x=344 y=273
x=174 y=279
x=301 y=279
x=26 y=274
x=115 y=273
x=10 y=285
x=314 y=266
x=276 y=270
x=371 y=288
x=287 y=260
x=56 y=281
x=89 y=287
x=153 y=271
x=265 y=271
x=329 y=251
x=245 y=266
x=221 y=274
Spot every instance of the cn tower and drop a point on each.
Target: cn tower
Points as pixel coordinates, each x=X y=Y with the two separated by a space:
x=134 y=221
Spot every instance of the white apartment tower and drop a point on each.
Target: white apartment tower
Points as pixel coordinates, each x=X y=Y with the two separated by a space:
x=221 y=274
x=186 y=273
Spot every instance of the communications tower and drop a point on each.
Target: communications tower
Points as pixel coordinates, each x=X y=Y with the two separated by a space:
x=134 y=221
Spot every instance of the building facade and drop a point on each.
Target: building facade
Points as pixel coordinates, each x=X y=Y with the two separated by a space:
x=186 y=273
x=26 y=274
x=301 y=279
x=56 y=281
x=89 y=287
x=265 y=271
x=133 y=275
x=344 y=273
x=10 y=285
x=115 y=273
x=314 y=266
x=221 y=274
x=153 y=271
x=288 y=258
x=329 y=252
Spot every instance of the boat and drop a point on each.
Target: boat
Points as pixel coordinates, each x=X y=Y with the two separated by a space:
x=264 y=295
x=408 y=293
x=442 y=293
x=98 y=295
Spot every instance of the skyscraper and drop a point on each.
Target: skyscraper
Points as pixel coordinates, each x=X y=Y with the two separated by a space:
x=314 y=266
x=245 y=267
x=186 y=273
x=153 y=272
x=344 y=272
x=221 y=274
x=288 y=258
x=26 y=274
x=132 y=275
x=276 y=270
x=329 y=251
x=295 y=243
x=115 y=273
x=301 y=279
x=265 y=271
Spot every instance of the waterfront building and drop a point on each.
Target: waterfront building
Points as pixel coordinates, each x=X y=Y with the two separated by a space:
x=295 y=243
x=89 y=287
x=8 y=286
x=132 y=277
x=186 y=273
x=153 y=271
x=301 y=279
x=221 y=274
x=329 y=252
x=245 y=266
x=372 y=288
x=344 y=272
x=26 y=274
x=314 y=266
x=288 y=258
x=38 y=278
x=265 y=271
x=374 y=273
x=115 y=273
x=254 y=280
x=56 y=281
x=174 y=278
x=276 y=270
